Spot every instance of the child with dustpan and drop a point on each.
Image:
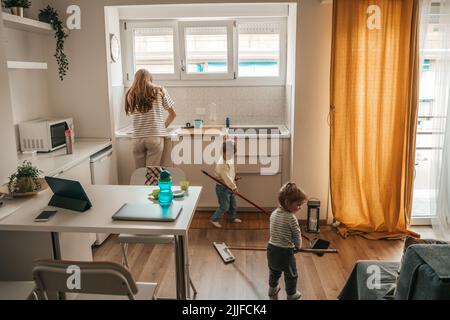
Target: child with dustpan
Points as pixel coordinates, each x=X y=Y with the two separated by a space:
x=285 y=239
x=225 y=172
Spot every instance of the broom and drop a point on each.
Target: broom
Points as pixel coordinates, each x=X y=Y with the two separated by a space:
x=315 y=244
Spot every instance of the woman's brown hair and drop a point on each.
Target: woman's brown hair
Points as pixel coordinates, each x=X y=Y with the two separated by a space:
x=142 y=94
x=290 y=193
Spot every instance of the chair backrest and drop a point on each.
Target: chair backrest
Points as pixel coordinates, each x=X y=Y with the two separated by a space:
x=178 y=175
x=139 y=176
x=105 y=278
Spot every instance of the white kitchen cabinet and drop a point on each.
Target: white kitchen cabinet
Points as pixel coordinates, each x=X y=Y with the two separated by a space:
x=103 y=172
x=262 y=189
x=77 y=246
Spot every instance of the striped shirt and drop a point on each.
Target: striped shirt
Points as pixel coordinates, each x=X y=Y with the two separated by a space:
x=152 y=123
x=284 y=230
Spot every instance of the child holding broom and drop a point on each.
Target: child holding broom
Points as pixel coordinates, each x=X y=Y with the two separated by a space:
x=226 y=173
x=285 y=238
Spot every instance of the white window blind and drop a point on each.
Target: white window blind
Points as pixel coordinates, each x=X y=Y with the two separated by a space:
x=259 y=49
x=154 y=50
x=206 y=49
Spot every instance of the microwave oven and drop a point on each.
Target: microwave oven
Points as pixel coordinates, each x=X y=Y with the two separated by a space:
x=44 y=135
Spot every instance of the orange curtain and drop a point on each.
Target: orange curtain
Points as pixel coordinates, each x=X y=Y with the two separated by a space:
x=374 y=101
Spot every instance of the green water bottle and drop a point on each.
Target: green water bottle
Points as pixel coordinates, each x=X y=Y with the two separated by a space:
x=228 y=122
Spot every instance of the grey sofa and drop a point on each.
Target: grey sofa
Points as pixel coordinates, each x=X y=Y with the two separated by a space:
x=424 y=275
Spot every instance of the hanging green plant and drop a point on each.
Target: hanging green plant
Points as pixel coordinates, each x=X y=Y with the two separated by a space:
x=50 y=15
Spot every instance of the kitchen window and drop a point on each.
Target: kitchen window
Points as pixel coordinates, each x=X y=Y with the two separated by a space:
x=250 y=51
x=154 y=47
x=207 y=50
x=259 y=49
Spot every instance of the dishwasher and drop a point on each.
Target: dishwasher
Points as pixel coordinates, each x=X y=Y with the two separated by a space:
x=103 y=172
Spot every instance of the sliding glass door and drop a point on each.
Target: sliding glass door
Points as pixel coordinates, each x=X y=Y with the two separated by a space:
x=432 y=116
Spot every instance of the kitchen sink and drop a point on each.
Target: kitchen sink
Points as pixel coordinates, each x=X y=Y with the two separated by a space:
x=253 y=130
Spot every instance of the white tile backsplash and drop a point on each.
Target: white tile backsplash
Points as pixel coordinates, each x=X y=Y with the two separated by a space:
x=244 y=105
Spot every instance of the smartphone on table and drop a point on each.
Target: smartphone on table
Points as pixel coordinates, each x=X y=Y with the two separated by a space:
x=45 y=215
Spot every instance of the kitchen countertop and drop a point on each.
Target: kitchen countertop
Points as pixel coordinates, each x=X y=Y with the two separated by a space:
x=213 y=130
x=54 y=162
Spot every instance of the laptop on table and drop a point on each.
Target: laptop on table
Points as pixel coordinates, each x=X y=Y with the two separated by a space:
x=148 y=211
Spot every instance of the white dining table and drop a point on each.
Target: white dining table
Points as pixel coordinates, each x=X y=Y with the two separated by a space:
x=106 y=200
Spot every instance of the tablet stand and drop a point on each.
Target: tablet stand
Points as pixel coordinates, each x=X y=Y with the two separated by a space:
x=69 y=203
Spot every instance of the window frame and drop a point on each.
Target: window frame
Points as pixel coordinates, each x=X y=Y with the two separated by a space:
x=230 y=26
x=130 y=61
x=182 y=79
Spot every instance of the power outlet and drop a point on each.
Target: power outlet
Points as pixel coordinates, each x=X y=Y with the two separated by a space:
x=200 y=111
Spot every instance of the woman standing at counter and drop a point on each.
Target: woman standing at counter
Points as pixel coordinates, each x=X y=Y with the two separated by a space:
x=146 y=103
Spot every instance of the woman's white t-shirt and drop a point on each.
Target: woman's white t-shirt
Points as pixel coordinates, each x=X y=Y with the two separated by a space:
x=152 y=123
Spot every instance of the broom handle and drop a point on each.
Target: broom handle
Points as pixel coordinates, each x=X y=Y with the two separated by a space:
x=242 y=197
x=306 y=250
x=238 y=194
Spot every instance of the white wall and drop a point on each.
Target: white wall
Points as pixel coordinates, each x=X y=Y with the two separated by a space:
x=30 y=94
x=84 y=92
x=116 y=85
x=312 y=100
x=8 y=155
x=29 y=88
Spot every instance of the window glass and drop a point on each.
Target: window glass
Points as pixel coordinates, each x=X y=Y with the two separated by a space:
x=259 y=50
x=206 y=50
x=153 y=50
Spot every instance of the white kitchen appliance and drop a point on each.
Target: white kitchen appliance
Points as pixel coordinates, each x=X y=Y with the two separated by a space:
x=44 y=135
x=103 y=172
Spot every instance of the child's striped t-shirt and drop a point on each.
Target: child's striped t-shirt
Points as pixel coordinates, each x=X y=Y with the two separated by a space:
x=284 y=230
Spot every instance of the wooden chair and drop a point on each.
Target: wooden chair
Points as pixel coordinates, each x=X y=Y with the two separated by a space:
x=138 y=178
x=98 y=281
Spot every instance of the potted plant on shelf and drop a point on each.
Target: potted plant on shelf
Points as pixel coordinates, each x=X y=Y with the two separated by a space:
x=50 y=15
x=17 y=6
x=26 y=180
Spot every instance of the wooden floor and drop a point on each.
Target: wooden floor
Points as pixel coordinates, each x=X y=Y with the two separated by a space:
x=319 y=277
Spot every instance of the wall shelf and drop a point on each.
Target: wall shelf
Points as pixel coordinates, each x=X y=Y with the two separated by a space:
x=25 y=24
x=27 y=65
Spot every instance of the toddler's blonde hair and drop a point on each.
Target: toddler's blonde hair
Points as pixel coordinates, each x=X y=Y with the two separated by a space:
x=290 y=193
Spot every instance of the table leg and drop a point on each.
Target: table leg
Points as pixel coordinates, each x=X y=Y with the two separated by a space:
x=187 y=268
x=56 y=247
x=180 y=268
